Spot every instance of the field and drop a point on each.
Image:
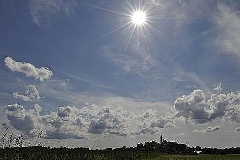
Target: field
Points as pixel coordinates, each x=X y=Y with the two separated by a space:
x=196 y=157
x=83 y=154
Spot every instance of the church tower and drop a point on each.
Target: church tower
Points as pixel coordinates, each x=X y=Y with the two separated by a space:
x=161 y=139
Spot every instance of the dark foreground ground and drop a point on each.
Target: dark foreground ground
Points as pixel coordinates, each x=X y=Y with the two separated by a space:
x=143 y=151
x=45 y=153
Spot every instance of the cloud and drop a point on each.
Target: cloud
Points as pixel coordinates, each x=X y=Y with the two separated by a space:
x=237 y=129
x=65 y=123
x=150 y=122
x=137 y=60
x=26 y=121
x=208 y=129
x=28 y=69
x=227 y=21
x=212 y=129
x=182 y=13
x=192 y=106
x=169 y=29
x=45 y=11
x=182 y=75
x=72 y=122
x=197 y=108
x=233 y=114
x=55 y=125
x=31 y=94
x=108 y=121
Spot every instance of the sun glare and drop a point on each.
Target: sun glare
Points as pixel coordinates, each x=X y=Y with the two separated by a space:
x=136 y=21
x=138 y=18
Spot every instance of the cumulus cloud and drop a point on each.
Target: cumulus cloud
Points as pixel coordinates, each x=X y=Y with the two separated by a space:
x=197 y=108
x=31 y=94
x=60 y=124
x=45 y=11
x=65 y=123
x=149 y=122
x=228 y=22
x=192 y=106
x=209 y=129
x=26 y=121
x=28 y=69
x=72 y=122
x=108 y=121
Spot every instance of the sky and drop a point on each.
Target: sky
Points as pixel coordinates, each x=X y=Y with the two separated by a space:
x=86 y=73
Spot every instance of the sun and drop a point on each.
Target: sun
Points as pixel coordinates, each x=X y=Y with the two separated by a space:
x=136 y=21
x=138 y=18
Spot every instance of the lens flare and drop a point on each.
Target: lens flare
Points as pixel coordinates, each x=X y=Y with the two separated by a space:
x=138 y=18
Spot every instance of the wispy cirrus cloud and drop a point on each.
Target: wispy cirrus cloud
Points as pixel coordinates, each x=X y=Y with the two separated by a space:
x=28 y=69
x=169 y=27
x=227 y=21
x=43 y=12
x=135 y=61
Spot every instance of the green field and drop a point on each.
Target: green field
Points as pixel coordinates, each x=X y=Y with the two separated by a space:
x=82 y=154
x=196 y=157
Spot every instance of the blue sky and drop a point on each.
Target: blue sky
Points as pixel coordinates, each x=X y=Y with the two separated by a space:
x=83 y=70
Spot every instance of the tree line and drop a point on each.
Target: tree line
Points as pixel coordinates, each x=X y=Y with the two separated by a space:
x=124 y=153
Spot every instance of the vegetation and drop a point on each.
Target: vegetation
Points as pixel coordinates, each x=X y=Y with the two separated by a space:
x=14 y=147
x=46 y=153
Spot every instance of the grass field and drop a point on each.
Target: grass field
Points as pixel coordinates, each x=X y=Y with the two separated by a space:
x=195 y=157
x=78 y=154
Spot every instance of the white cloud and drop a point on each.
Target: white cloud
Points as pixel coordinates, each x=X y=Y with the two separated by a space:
x=28 y=69
x=150 y=122
x=108 y=121
x=228 y=21
x=72 y=122
x=197 y=108
x=26 y=121
x=218 y=89
x=31 y=94
x=55 y=125
x=65 y=123
x=45 y=11
x=20 y=96
x=192 y=106
x=209 y=129
x=15 y=110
